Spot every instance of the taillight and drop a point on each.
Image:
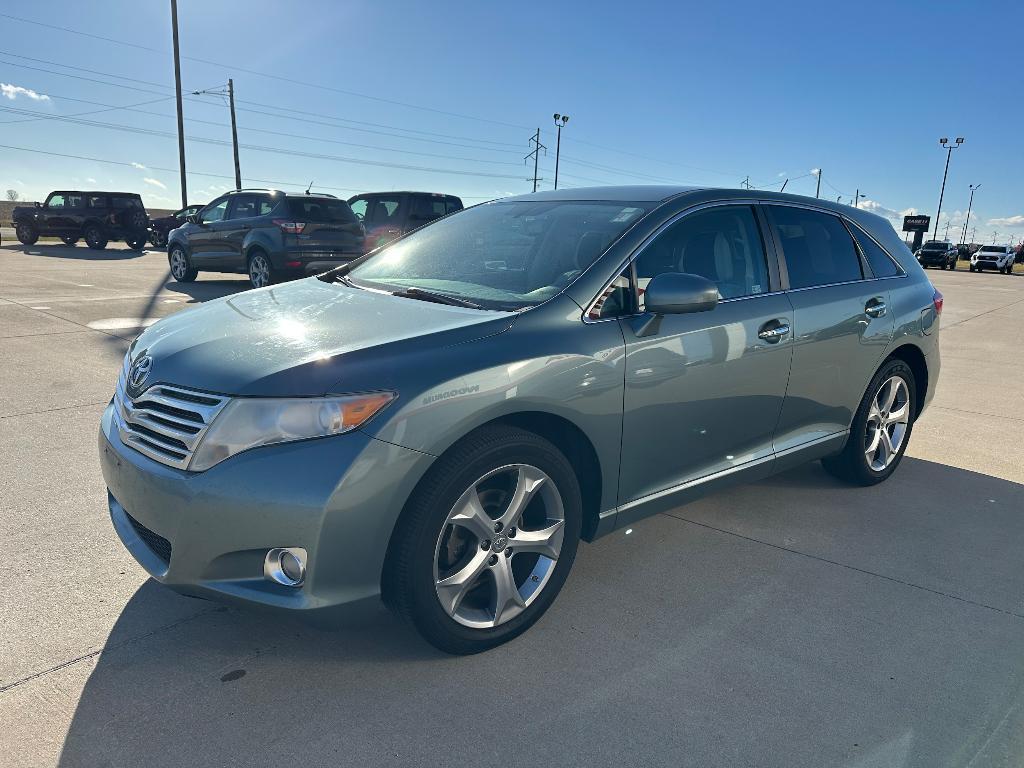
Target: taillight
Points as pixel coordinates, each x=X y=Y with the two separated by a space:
x=291 y=227
x=937 y=301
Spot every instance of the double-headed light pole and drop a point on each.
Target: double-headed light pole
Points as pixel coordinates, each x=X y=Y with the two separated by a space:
x=944 y=142
x=560 y=121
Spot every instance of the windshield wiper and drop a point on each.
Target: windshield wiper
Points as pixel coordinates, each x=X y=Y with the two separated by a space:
x=437 y=298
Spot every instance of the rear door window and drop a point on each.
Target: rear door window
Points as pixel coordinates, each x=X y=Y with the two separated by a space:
x=428 y=208
x=246 y=206
x=96 y=201
x=321 y=210
x=818 y=248
x=453 y=204
x=125 y=201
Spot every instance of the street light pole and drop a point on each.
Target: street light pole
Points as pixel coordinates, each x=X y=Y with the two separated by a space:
x=817 y=192
x=177 y=95
x=974 y=188
x=560 y=121
x=856 y=199
x=949 y=151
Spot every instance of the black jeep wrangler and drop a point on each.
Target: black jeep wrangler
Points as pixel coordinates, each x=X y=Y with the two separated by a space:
x=99 y=217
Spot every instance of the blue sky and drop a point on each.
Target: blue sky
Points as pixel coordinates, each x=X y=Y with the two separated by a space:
x=707 y=93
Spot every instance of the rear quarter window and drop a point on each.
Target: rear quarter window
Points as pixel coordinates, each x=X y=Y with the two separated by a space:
x=881 y=263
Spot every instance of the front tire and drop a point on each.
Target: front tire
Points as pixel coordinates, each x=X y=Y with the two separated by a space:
x=68 y=240
x=181 y=266
x=95 y=237
x=881 y=427
x=26 y=234
x=486 y=541
x=136 y=243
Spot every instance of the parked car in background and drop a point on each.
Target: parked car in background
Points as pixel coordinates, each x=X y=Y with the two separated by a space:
x=938 y=253
x=159 y=228
x=387 y=215
x=99 y=217
x=439 y=424
x=997 y=257
x=267 y=234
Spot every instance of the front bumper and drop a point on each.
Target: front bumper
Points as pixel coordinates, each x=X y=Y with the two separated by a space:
x=933 y=261
x=987 y=265
x=338 y=498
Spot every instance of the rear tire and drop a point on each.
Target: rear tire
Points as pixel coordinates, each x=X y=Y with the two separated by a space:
x=181 y=266
x=95 y=237
x=440 y=547
x=881 y=427
x=136 y=243
x=26 y=233
x=261 y=270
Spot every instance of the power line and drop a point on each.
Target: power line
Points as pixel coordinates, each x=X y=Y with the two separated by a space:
x=513 y=148
x=296 y=184
x=235 y=67
x=260 y=148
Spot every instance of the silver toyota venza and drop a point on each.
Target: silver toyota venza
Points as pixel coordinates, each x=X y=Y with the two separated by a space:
x=440 y=422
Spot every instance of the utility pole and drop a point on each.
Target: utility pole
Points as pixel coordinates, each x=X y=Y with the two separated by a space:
x=535 y=154
x=177 y=94
x=856 y=199
x=745 y=183
x=560 y=121
x=839 y=198
x=228 y=91
x=974 y=234
x=234 y=133
x=817 y=192
x=944 y=142
x=974 y=188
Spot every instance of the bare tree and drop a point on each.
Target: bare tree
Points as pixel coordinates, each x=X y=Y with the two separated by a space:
x=12 y=195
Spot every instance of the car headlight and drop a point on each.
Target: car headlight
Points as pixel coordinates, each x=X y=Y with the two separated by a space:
x=249 y=422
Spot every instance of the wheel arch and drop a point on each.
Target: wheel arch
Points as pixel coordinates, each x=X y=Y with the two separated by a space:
x=912 y=355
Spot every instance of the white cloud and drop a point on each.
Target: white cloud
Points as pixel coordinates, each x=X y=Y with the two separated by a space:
x=780 y=174
x=1007 y=221
x=815 y=171
x=91 y=180
x=14 y=91
x=140 y=166
x=155 y=182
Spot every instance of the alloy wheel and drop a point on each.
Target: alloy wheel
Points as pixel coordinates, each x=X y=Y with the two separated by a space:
x=887 y=422
x=498 y=546
x=179 y=265
x=259 y=271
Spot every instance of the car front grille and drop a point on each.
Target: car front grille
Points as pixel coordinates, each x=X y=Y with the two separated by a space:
x=165 y=422
x=160 y=546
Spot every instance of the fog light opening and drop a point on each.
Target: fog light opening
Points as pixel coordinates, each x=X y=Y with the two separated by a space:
x=286 y=565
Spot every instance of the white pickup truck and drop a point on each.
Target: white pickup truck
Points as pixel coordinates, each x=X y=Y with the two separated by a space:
x=993 y=257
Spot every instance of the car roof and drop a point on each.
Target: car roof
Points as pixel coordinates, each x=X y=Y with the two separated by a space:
x=91 y=192
x=404 y=192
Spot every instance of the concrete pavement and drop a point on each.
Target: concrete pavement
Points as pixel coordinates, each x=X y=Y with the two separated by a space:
x=795 y=622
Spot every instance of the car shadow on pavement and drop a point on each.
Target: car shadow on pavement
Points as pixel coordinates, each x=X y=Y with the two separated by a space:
x=826 y=637
x=203 y=290
x=75 y=252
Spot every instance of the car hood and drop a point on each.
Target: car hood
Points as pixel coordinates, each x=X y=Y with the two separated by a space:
x=300 y=338
x=21 y=210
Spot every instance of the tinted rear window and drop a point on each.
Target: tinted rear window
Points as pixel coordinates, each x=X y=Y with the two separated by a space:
x=817 y=246
x=322 y=209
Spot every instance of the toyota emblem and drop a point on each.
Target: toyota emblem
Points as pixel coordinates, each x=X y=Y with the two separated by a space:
x=139 y=371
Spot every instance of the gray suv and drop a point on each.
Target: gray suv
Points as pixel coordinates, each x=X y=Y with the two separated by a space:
x=439 y=423
x=267 y=234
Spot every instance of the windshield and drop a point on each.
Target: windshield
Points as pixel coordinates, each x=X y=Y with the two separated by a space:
x=502 y=255
x=935 y=247
x=993 y=249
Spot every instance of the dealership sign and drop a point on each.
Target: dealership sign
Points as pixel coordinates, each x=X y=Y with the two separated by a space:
x=916 y=223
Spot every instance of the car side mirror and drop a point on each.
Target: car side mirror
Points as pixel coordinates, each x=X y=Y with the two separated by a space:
x=38 y=204
x=676 y=293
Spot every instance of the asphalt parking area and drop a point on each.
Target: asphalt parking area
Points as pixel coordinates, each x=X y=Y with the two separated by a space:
x=795 y=622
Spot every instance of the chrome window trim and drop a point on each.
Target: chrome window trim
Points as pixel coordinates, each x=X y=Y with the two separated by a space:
x=632 y=257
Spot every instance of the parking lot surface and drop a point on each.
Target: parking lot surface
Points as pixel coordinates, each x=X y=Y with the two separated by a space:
x=795 y=622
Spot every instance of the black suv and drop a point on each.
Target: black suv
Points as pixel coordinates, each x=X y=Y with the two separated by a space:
x=938 y=253
x=99 y=217
x=387 y=215
x=269 y=235
x=159 y=228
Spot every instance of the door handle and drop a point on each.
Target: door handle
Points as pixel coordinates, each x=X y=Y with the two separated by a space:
x=773 y=331
x=875 y=308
